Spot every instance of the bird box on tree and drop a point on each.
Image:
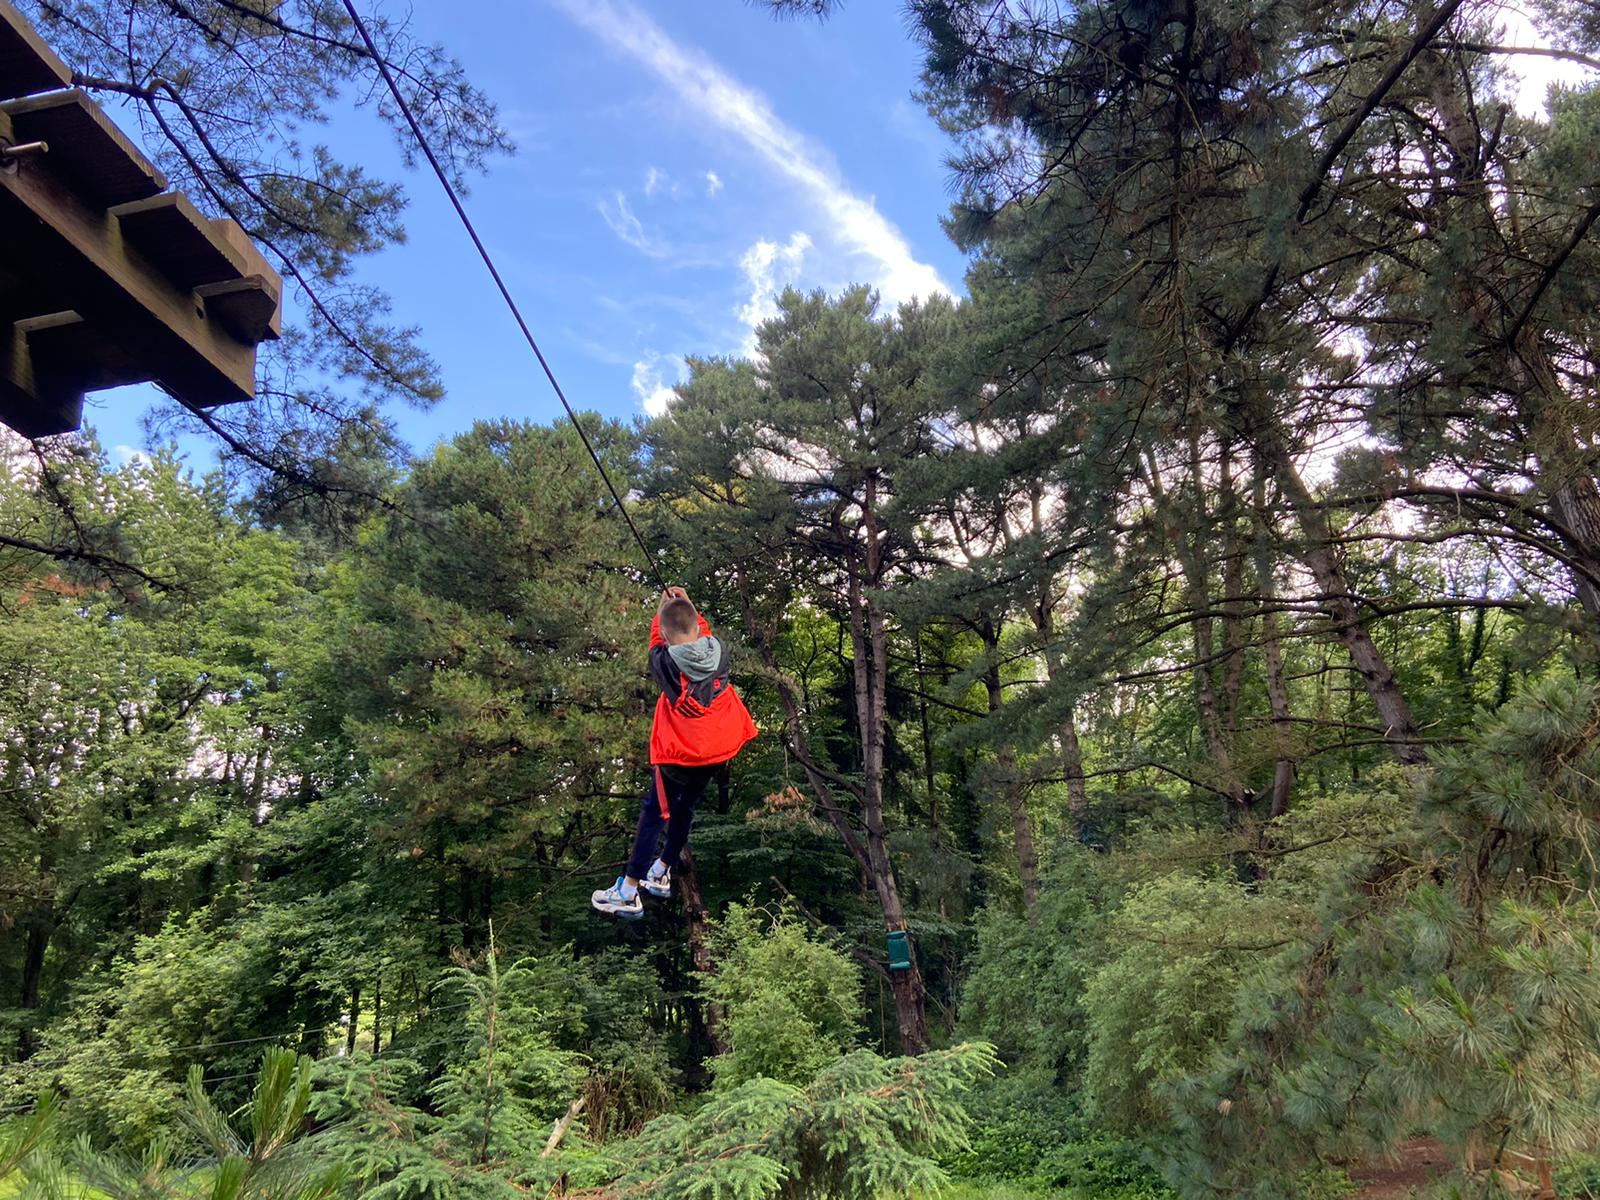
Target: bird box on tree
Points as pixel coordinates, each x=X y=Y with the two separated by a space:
x=108 y=278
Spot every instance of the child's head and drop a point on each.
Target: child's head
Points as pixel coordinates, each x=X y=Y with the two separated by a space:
x=680 y=623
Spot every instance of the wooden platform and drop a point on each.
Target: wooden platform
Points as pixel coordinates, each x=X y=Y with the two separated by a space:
x=107 y=277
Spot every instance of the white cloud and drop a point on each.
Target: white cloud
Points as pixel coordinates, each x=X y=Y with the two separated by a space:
x=768 y=268
x=653 y=179
x=129 y=454
x=713 y=183
x=650 y=381
x=625 y=225
x=719 y=98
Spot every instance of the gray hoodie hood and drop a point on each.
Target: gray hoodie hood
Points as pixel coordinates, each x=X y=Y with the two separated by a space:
x=698 y=659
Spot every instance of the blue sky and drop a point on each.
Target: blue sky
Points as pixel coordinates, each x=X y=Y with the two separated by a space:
x=678 y=163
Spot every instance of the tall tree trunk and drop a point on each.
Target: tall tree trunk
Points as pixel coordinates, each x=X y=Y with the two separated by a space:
x=41 y=927
x=1009 y=779
x=698 y=921
x=1566 y=471
x=871 y=851
x=1283 y=768
x=927 y=734
x=355 y=1020
x=1233 y=622
x=1191 y=559
x=870 y=646
x=1400 y=726
x=1071 y=750
x=1072 y=770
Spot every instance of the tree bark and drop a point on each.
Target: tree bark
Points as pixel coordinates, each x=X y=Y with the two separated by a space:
x=870 y=665
x=1198 y=588
x=40 y=929
x=870 y=852
x=355 y=1021
x=1071 y=749
x=1009 y=779
x=1400 y=726
x=1283 y=769
x=698 y=920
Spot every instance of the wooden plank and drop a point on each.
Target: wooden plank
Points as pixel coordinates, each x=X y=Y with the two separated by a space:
x=54 y=235
x=197 y=252
x=27 y=296
x=245 y=249
x=179 y=240
x=27 y=65
x=78 y=356
x=246 y=306
x=33 y=406
x=86 y=149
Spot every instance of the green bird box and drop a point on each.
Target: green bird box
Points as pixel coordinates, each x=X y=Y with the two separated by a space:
x=899 y=950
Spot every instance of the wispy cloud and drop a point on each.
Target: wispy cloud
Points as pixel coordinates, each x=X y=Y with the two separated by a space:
x=768 y=268
x=626 y=226
x=713 y=183
x=650 y=381
x=719 y=98
x=653 y=179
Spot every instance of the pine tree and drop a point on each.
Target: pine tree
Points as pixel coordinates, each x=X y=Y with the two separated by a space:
x=865 y=1127
x=1451 y=989
x=785 y=470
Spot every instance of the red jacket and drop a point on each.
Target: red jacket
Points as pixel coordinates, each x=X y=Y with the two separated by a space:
x=697 y=723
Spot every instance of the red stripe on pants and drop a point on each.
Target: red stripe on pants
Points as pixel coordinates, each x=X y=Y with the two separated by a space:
x=661 y=795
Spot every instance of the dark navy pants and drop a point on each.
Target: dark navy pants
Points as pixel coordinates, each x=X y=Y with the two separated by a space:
x=669 y=803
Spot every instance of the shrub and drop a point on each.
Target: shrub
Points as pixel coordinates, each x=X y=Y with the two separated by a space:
x=1025 y=987
x=1165 y=999
x=864 y=1127
x=791 y=1002
x=1453 y=987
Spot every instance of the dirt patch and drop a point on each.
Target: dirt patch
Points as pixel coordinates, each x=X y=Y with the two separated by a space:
x=1420 y=1163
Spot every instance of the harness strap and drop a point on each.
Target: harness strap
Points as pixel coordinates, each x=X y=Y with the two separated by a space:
x=661 y=795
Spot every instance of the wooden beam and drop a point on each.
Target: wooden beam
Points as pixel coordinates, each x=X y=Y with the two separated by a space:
x=246 y=252
x=27 y=65
x=34 y=406
x=189 y=247
x=248 y=307
x=57 y=236
x=75 y=355
x=86 y=149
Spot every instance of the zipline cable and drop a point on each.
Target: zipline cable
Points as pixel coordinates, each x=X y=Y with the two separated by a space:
x=505 y=292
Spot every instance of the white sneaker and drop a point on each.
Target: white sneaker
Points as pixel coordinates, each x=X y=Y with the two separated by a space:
x=659 y=886
x=610 y=900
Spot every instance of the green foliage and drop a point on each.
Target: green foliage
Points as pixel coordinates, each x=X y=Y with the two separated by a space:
x=1451 y=988
x=1027 y=975
x=502 y=1087
x=791 y=1001
x=266 y=1159
x=1181 y=948
x=22 y=1136
x=1040 y=1142
x=487 y=1114
x=864 y=1127
x=262 y=1152
x=122 y=1053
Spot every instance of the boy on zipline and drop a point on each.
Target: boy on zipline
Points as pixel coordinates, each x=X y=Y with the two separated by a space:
x=700 y=724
